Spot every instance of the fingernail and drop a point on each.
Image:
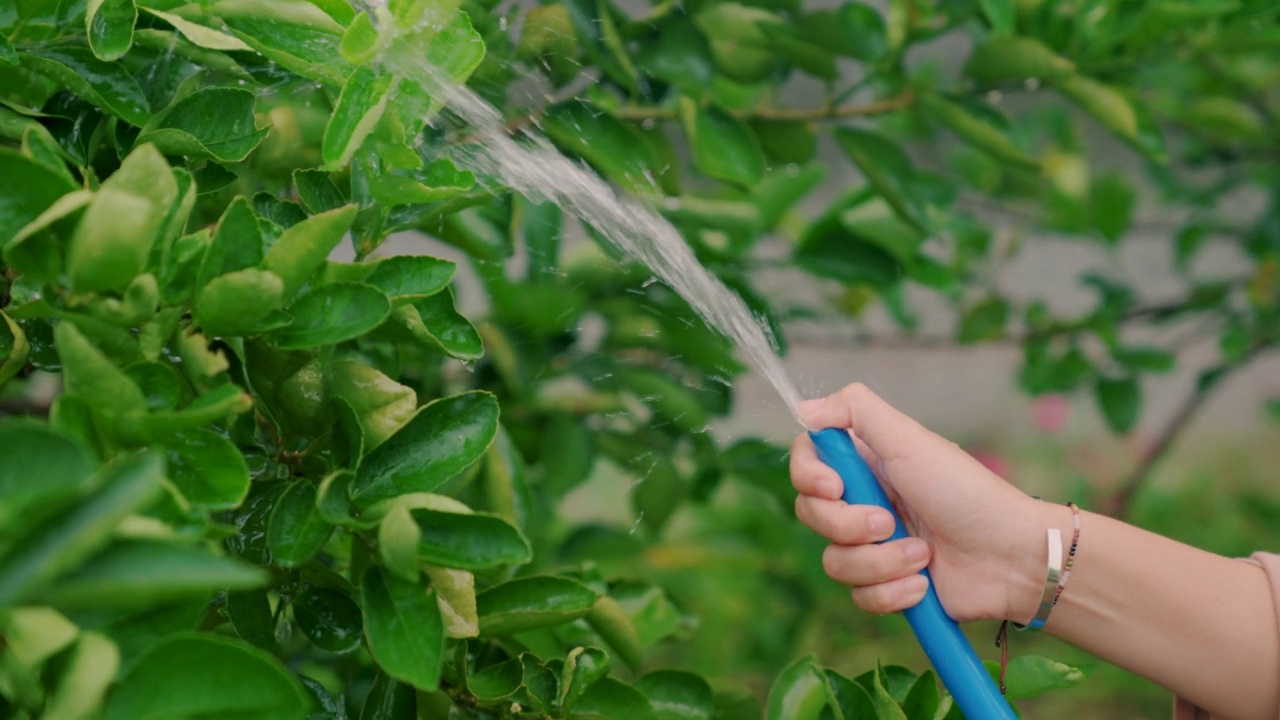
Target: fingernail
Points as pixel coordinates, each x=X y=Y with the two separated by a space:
x=879 y=524
x=829 y=488
x=917 y=551
x=918 y=584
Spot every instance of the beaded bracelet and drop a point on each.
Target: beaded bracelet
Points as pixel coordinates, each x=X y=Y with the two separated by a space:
x=1071 y=554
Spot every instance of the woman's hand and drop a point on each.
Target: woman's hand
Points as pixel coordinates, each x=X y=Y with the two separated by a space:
x=982 y=539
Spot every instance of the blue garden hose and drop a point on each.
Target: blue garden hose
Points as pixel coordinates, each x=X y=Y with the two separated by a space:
x=948 y=649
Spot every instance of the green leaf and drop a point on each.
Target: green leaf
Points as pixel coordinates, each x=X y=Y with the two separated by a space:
x=91 y=376
x=113 y=242
x=364 y=98
x=441 y=440
x=27 y=190
x=1118 y=113
x=361 y=42
x=296 y=531
x=830 y=249
x=567 y=454
x=398 y=537
x=411 y=277
x=35 y=450
x=8 y=53
x=1001 y=14
x=109 y=24
x=852 y=699
x=250 y=615
x=612 y=147
x=317 y=191
x=453 y=48
x=532 y=602
x=296 y=34
x=1112 y=200
x=854 y=30
x=792 y=45
x=14 y=350
x=62 y=543
x=984 y=321
x=403 y=628
x=923 y=699
x=302 y=249
x=217 y=677
x=1148 y=359
x=456 y=596
x=329 y=618
x=976 y=130
x=202 y=36
x=738 y=45
x=723 y=146
x=381 y=405
x=680 y=55
x=609 y=699
x=677 y=695
x=160 y=426
x=612 y=623
x=331 y=314
x=496 y=683
x=445 y=328
x=389 y=700
x=239 y=303
x=109 y=86
x=886 y=167
x=886 y=705
x=207 y=469
x=1120 y=401
x=583 y=668
x=89 y=670
x=142 y=573
x=1030 y=676
x=798 y=693
x=214 y=123
x=1014 y=59
x=468 y=541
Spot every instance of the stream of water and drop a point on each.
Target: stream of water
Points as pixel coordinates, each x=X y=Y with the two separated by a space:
x=534 y=168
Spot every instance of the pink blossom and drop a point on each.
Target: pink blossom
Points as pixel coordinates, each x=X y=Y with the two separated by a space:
x=991 y=461
x=1051 y=413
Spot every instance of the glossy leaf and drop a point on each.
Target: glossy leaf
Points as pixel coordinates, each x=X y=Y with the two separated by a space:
x=140 y=573
x=217 y=677
x=14 y=348
x=411 y=277
x=922 y=700
x=107 y=85
x=364 y=98
x=798 y=693
x=201 y=35
x=441 y=440
x=977 y=131
x=93 y=377
x=62 y=543
x=1014 y=59
x=381 y=405
x=677 y=695
x=403 y=627
x=610 y=698
x=445 y=327
x=250 y=615
x=240 y=303
x=122 y=223
x=389 y=699
x=296 y=34
x=329 y=618
x=532 y=602
x=723 y=146
x=886 y=167
x=296 y=531
x=207 y=469
x=1031 y=676
x=738 y=45
x=496 y=683
x=611 y=621
x=1117 y=113
x=1120 y=401
x=32 y=450
x=213 y=123
x=583 y=668
x=602 y=140
x=468 y=541
x=302 y=249
x=331 y=314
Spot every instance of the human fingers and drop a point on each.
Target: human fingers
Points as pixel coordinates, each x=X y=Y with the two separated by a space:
x=859 y=565
x=843 y=523
x=886 y=430
x=891 y=596
x=811 y=476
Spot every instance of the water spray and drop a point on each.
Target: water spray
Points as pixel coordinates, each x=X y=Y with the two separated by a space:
x=537 y=170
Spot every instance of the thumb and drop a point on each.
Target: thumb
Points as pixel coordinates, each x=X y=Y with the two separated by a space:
x=882 y=427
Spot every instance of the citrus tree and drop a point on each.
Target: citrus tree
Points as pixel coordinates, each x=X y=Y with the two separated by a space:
x=247 y=479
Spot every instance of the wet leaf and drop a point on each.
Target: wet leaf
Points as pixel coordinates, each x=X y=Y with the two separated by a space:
x=296 y=531
x=403 y=627
x=532 y=602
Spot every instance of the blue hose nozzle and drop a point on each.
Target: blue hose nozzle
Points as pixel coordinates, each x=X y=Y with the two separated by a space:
x=954 y=659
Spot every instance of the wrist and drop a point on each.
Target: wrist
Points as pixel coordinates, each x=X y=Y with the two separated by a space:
x=1030 y=558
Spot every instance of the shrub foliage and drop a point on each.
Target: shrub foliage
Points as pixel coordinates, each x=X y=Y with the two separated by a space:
x=254 y=481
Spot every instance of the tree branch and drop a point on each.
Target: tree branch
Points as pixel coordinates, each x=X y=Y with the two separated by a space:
x=818 y=114
x=1122 y=501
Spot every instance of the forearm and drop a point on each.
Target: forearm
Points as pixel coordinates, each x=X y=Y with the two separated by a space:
x=1200 y=624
